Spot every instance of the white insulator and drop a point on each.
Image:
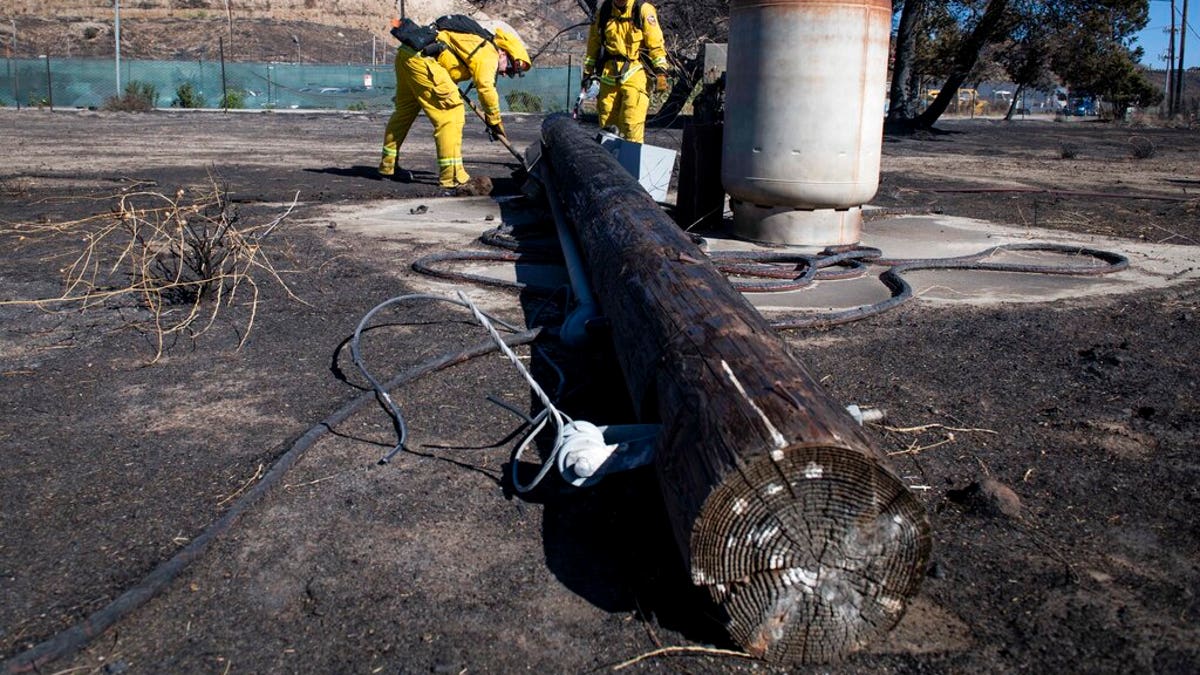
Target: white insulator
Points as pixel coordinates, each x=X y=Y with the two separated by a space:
x=583 y=448
x=864 y=415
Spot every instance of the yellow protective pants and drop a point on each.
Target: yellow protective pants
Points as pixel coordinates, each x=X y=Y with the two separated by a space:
x=624 y=105
x=424 y=85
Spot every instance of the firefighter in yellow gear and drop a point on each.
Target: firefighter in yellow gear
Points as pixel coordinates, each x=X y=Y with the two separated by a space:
x=624 y=39
x=430 y=84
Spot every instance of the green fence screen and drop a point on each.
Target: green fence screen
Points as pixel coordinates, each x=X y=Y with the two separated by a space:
x=88 y=83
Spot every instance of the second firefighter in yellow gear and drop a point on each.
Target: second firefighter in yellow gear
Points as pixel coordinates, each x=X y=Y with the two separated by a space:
x=429 y=84
x=624 y=38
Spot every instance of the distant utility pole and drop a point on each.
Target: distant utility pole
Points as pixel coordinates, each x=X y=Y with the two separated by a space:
x=117 y=41
x=1171 y=65
x=1183 y=29
x=16 y=75
x=229 y=15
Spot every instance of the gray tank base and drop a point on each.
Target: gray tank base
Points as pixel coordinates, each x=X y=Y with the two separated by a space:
x=797 y=227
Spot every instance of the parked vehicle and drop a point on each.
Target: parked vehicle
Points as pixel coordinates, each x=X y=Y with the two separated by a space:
x=1081 y=106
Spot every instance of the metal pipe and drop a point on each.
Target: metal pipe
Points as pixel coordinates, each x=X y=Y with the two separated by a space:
x=574 y=329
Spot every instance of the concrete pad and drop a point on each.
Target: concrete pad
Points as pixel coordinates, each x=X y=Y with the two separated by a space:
x=432 y=220
x=451 y=224
x=455 y=223
x=937 y=236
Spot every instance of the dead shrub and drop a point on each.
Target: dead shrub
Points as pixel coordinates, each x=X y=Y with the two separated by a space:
x=1141 y=147
x=180 y=259
x=1068 y=150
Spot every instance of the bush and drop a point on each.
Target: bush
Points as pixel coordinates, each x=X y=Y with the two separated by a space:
x=1141 y=147
x=1068 y=151
x=359 y=106
x=234 y=99
x=521 y=101
x=186 y=96
x=138 y=97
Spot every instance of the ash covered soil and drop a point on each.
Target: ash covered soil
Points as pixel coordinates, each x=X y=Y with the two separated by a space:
x=113 y=461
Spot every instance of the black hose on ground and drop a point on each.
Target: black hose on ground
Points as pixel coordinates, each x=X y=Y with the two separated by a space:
x=380 y=390
x=901 y=291
x=776 y=272
x=71 y=640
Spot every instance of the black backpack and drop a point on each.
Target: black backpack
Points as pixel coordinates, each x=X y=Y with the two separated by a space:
x=604 y=14
x=461 y=23
x=421 y=39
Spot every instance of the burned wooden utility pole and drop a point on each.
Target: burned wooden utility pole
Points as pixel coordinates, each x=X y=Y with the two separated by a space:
x=781 y=507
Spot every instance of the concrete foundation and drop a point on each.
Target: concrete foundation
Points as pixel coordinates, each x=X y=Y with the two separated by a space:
x=796 y=227
x=454 y=223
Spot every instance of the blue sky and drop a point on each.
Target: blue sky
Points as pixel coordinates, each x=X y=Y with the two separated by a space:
x=1154 y=37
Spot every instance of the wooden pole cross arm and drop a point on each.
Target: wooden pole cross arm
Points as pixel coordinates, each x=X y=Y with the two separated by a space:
x=782 y=509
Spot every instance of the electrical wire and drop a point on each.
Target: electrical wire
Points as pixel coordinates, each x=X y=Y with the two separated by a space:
x=549 y=413
x=76 y=637
x=381 y=392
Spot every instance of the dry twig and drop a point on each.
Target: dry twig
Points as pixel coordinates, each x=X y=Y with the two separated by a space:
x=665 y=651
x=926 y=427
x=915 y=448
x=230 y=497
x=182 y=260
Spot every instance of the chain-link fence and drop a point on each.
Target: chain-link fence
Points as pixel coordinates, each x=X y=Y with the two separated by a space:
x=90 y=83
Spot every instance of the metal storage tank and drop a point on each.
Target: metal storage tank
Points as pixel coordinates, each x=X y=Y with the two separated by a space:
x=804 y=107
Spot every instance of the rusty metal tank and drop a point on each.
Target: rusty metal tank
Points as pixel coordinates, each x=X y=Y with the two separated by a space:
x=805 y=91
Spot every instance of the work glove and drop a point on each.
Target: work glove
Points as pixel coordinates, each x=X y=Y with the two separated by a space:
x=495 y=131
x=660 y=82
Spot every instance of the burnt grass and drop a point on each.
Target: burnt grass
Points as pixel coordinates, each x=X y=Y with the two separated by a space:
x=1085 y=409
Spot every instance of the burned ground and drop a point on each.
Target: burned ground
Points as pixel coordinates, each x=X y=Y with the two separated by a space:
x=1077 y=417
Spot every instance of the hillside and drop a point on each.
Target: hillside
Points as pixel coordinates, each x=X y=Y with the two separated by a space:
x=338 y=31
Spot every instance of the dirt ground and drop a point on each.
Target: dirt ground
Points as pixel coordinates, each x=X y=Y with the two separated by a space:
x=1087 y=409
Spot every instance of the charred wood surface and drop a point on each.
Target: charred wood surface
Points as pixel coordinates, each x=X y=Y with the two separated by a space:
x=782 y=509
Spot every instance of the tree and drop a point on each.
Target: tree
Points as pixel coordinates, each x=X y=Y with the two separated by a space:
x=1026 y=56
x=687 y=26
x=944 y=41
x=1095 y=53
x=905 y=90
x=1085 y=44
x=985 y=31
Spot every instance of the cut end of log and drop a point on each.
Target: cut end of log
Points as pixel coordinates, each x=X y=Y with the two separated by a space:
x=812 y=555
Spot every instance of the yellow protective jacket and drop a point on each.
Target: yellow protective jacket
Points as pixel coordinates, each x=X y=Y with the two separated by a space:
x=625 y=46
x=472 y=57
